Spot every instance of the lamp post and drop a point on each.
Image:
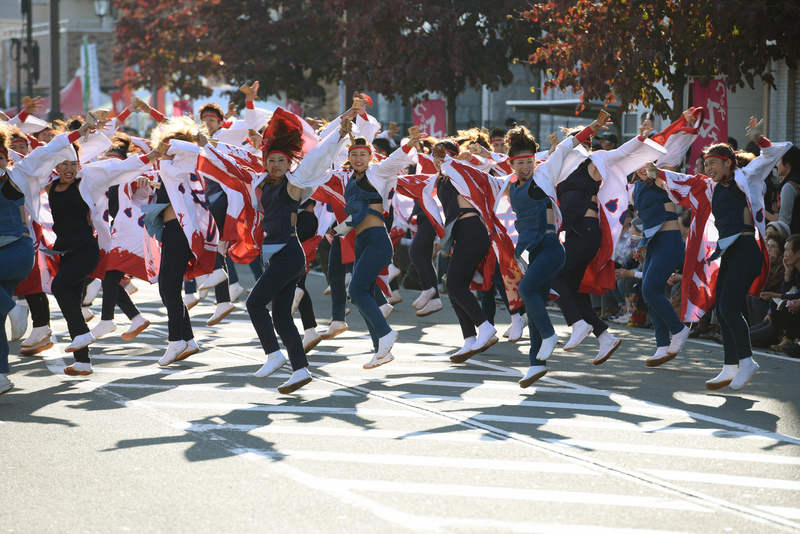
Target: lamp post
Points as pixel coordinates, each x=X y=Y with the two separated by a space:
x=55 y=64
x=101 y=9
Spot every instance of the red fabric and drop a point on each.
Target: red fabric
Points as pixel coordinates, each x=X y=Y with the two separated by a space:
x=426 y=164
x=396 y=235
x=679 y=125
x=349 y=248
x=73 y=136
x=310 y=249
x=599 y=276
x=122 y=117
x=413 y=186
x=156 y=115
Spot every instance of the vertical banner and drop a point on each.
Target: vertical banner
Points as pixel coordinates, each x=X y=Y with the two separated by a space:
x=182 y=107
x=91 y=76
x=120 y=100
x=430 y=117
x=715 y=128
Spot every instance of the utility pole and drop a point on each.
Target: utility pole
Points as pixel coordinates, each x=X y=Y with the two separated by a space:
x=55 y=65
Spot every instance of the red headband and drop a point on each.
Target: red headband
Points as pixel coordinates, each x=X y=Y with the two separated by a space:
x=210 y=114
x=20 y=140
x=4 y=152
x=718 y=156
x=355 y=147
x=512 y=158
x=453 y=152
x=267 y=155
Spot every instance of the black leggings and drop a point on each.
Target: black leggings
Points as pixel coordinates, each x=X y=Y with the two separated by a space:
x=68 y=287
x=175 y=257
x=581 y=246
x=115 y=295
x=421 y=253
x=218 y=208
x=306 y=307
x=470 y=245
x=39 y=306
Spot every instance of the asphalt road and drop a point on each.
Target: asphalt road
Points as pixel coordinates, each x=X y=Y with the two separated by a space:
x=419 y=444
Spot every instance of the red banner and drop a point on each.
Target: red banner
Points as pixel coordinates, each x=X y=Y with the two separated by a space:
x=294 y=107
x=714 y=129
x=430 y=117
x=120 y=100
x=182 y=107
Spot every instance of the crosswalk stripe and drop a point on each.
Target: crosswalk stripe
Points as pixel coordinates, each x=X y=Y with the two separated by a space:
x=728 y=480
x=229 y=407
x=308 y=391
x=494 y=492
x=783 y=511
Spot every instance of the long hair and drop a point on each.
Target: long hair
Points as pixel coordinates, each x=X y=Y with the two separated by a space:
x=519 y=140
x=121 y=145
x=284 y=134
x=182 y=128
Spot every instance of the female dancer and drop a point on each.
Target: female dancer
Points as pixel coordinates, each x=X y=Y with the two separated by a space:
x=280 y=198
x=367 y=197
x=737 y=203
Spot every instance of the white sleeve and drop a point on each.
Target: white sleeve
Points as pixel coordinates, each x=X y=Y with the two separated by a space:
x=316 y=167
x=96 y=144
x=758 y=169
x=31 y=125
x=367 y=128
x=393 y=165
x=256 y=118
x=32 y=174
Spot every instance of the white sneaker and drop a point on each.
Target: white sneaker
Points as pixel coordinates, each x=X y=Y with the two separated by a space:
x=78 y=369
x=138 y=325
x=299 y=378
x=662 y=355
x=377 y=362
x=223 y=310
x=386 y=343
x=174 y=349
x=18 y=319
x=81 y=341
x=213 y=280
x=547 y=348
x=310 y=339
x=465 y=352
x=38 y=334
x=92 y=289
x=387 y=310
x=40 y=346
x=535 y=372
x=424 y=297
x=236 y=291
x=88 y=314
x=518 y=322
x=298 y=296
x=191 y=348
x=6 y=385
x=327 y=291
x=486 y=337
x=199 y=281
x=190 y=300
x=394 y=272
x=396 y=298
x=724 y=378
x=130 y=288
x=747 y=370
x=580 y=331
x=677 y=341
x=336 y=328
x=623 y=319
x=608 y=344
x=103 y=328
x=432 y=306
x=275 y=361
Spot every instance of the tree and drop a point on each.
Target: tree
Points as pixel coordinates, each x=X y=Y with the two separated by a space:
x=284 y=44
x=618 y=51
x=411 y=47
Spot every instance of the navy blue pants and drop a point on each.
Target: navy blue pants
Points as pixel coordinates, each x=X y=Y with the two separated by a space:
x=665 y=253
x=374 y=252
x=68 y=288
x=336 y=279
x=470 y=245
x=17 y=261
x=175 y=257
x=277 y=286
x=421 y=253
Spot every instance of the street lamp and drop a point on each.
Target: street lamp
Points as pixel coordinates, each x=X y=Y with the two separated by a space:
x=101 y=9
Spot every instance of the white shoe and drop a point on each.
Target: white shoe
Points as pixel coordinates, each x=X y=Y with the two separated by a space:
x=662 y=355
x=236 y=291
x=623 y=319
x=298 y=296
x=275 y=361
x=78 y=369
x=174 y=349
x=199 y=281
x=547 y=348
x=81 y=341
x=396 y=298
x=213 y=280
x=190 y=300
x=18 y=319
x=677 y=341
x=747 y=370
x=103 y=328
x=6 y=385
x=424 y=297
x=394 y=272
x=130 y=288
x=88 y=314
x=310 y=339
x=724 y=378
x=377 y=362
x=386 y=343
x=191 y=348
x=432 y=306
x=387 y=310
x=535 y=372
x=223 y=310
x=336 y=328
x=608 y=344
x=40 y=346
x=465 y=352
x=327 y=291
x=38 y=334
x=518 y=322
x=299 y=378
x=92 y=289
x=138 y=325
x=486 y=337
x=580 y=331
